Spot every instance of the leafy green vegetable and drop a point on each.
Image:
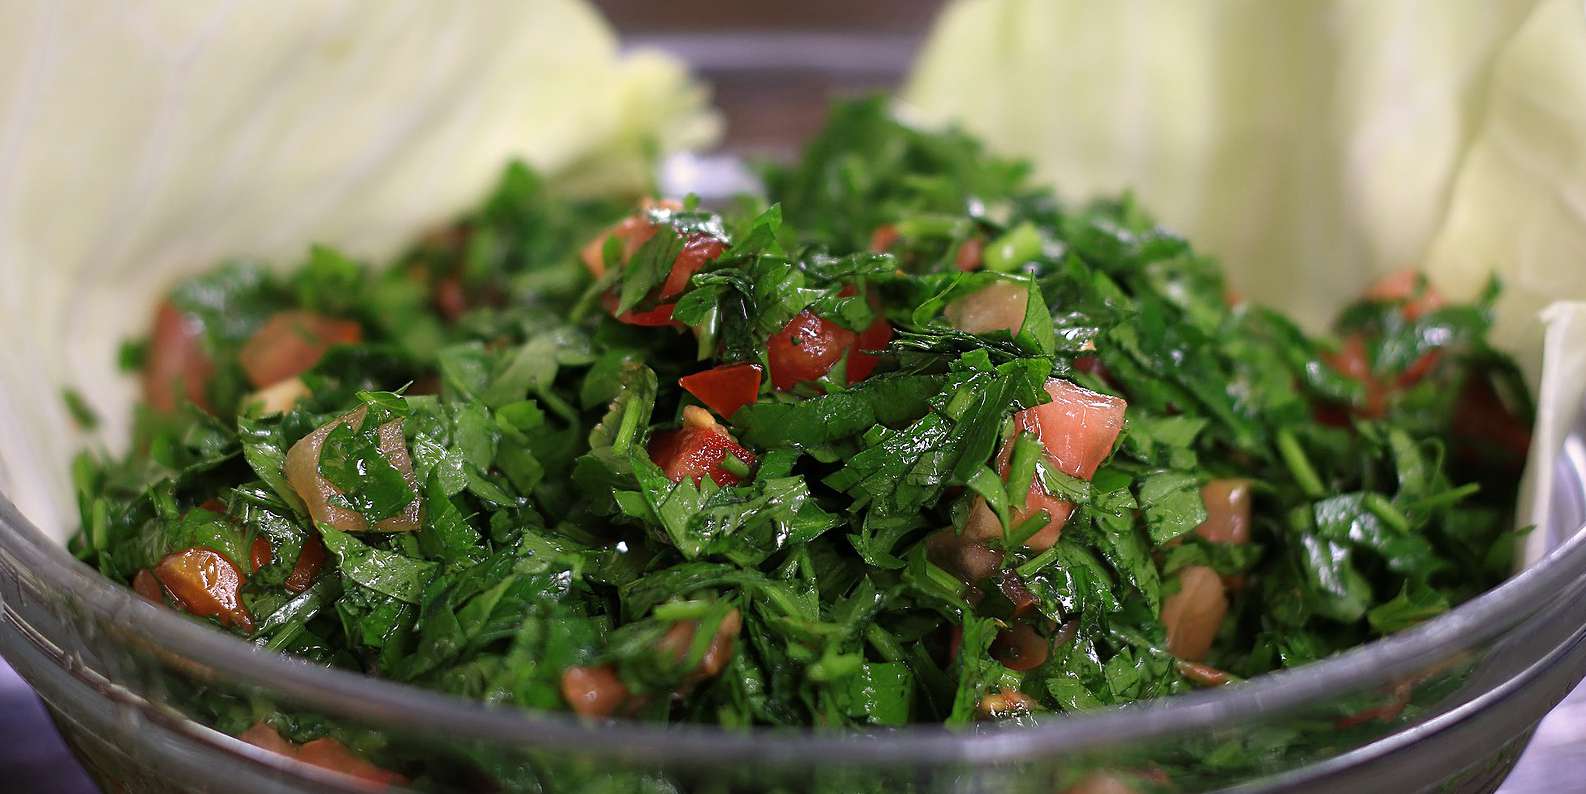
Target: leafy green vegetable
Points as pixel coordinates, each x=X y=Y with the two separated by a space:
x=831 y=553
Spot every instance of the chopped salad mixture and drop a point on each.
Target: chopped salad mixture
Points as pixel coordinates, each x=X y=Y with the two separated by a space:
x=906 y=440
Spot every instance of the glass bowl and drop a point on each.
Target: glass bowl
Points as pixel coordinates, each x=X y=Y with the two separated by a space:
x=1446 y=706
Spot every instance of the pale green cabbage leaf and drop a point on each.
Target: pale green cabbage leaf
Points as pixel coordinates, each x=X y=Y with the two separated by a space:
x=1313 y=146
x=142 y=142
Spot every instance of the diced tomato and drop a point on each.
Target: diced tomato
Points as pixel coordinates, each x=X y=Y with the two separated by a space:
x=1077 y=428
x=1353 y=362
x=206 y=584
x=968 y=255
x=1194 y=613
x=1406 y=286
x=309 y=560
x=259 y=552
x=998 y=306
x=177 y=367
x=1485 y=430
x=327 y=753
x=1202 y=674
x=1227 y=511
x=883 y=237
x=1020 y=648
x=679 y=639
x=967 y=558
x=805 y=349
x=1419 y=368
x=697 y=452
x=144 y=584
x=450 y=299
x=593 y=691
x=1018 y=594
x=1392 y=706
x=658 y=317
x=726 y=388
x=1007 y=704
x=261 y=735
x=1101 y=783
x=291 y=343
x=633 y=231
x=697 y=252
x=809 y=346
x=874 y=337
x=302 y=472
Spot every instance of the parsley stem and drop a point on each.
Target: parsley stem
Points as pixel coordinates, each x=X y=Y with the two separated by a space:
x=957 y=406
x=1446 y=498
x=1380 y=507
x=1036 y=563
x=886 y=645
x=734 y=465
x=1299 y=465
x=557 y=405
x=630 y=423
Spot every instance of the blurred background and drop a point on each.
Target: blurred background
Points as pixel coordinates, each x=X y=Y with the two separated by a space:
x=860 y=45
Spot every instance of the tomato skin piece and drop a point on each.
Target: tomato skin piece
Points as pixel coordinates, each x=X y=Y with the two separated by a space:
x=324 y=752
x=1194 y=613
x=874 y=337
x=291 y=343
x=1404 y=286
x=261 y=735
x=805 y=349
x=998 y=306
x=309 y=560
x=302 y=472
x=1485 y=430
x=1020 y=648
x=968 y=256
x=1227 y=511
x=177 y=368
x=1077 y=428
x=593 y=691
x=697 y=452
x=658 y=317
x=883 y=237
x=698 y=251
x=207 y=584
x=327 y=753
x=809 y=346
x=144 y=584
x=634 y=231
x=726 y=388
x=259 y=552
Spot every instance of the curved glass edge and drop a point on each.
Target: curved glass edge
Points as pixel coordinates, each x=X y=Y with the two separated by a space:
x=34 y=567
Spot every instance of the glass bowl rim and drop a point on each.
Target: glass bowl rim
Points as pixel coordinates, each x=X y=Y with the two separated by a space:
x=382 y=703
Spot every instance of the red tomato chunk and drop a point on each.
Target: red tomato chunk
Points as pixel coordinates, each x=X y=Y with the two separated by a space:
x=1077 y=429
x=177 y=368
x=694 y=453
x=807 y=348
x=207 y=584
x=634 y=231
x=726 y=388
x=291 y=343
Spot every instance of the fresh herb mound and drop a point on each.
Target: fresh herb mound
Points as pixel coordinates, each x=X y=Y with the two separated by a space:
x=907 y=440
